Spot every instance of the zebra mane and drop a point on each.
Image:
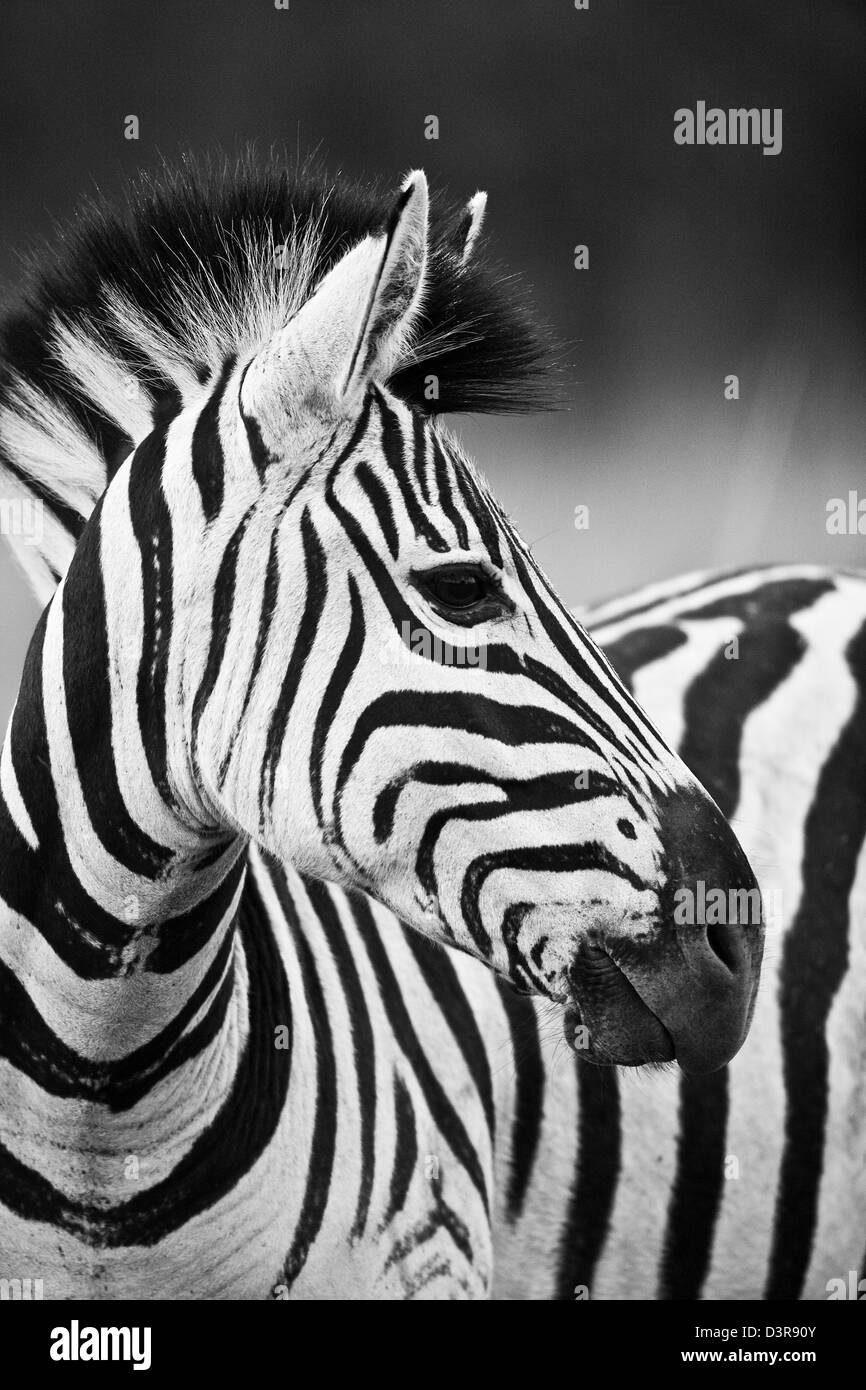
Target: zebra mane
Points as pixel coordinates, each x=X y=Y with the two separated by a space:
x=128 y=315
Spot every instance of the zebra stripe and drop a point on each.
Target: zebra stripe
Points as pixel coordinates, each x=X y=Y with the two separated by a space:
x=239 y=837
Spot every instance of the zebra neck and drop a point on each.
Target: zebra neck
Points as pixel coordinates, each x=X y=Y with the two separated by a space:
x=115 y=900
x=104 y=1006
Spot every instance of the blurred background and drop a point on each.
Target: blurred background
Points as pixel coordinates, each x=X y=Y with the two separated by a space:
x=703 y=261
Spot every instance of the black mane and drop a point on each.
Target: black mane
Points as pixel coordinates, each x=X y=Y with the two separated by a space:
x=491 y=358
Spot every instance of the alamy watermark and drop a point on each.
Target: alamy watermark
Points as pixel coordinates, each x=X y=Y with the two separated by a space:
x=77 y=1343
x=21 y=1290
x=846 y=516
x=737 y=126
x=853 y=1288
x=706 y=906
x=22 y=516
x=409 y=643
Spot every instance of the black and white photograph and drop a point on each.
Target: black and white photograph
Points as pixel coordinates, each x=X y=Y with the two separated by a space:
x=433 y=694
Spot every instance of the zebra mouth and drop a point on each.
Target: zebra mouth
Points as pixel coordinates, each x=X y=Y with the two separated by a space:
x=607 y=1022
x=573 y=1026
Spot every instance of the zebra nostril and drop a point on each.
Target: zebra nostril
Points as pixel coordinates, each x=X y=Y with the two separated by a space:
x=626 y=828
x=723 y=942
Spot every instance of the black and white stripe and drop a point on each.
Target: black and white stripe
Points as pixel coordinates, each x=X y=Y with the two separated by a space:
x=227 y=1070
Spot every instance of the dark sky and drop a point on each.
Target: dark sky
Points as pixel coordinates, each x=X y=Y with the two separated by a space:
x=703 y=261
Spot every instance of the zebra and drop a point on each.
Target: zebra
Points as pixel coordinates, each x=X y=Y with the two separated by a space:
x=290 y=906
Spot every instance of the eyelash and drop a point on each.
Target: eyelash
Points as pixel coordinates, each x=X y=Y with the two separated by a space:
x=492 y=603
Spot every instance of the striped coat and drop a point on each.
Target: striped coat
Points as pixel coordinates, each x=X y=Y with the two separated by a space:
x=437 y=1112
x=224 y=1077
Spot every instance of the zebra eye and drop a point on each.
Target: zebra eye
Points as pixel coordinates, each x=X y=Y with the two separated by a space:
x=460 y=589
x=463 y=593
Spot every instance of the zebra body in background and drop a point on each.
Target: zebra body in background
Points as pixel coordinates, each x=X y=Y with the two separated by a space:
x=749 y=1183
x=226 y=1070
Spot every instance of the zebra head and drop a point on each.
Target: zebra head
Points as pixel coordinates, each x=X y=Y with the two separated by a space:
x=382 y=689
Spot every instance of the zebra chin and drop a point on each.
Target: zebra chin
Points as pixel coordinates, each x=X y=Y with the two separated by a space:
x=611 y=1025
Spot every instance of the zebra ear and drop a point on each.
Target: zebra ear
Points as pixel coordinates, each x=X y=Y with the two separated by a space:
x=382 y=296
x=469 y=227
x=355 y=325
